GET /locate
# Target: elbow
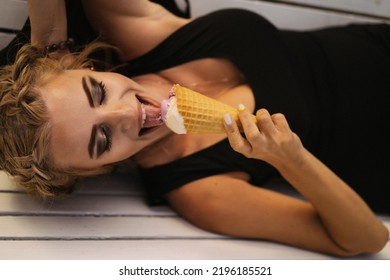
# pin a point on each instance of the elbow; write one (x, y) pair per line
(370, 245)
(380, 242)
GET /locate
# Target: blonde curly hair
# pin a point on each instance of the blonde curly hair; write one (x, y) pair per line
(25, 131)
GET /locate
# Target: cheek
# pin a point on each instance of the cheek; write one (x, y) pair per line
(124, 148)
(67, 139)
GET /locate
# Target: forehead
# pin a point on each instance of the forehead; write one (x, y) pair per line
(69, 113)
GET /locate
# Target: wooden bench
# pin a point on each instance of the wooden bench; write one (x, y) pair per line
(108, 218)
(13, 15)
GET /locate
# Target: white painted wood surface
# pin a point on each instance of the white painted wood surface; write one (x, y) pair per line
(379, 8)
(194, 249)
(13, 14)
(107, 217)
(282, 15)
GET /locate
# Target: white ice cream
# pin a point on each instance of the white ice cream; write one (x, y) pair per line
(171, 116)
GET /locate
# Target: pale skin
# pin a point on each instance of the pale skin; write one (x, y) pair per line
(224, 203)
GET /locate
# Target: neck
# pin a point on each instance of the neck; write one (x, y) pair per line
(155, 84)
(164, 150)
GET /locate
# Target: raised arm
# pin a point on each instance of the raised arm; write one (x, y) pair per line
(135, 26)
(48, 21)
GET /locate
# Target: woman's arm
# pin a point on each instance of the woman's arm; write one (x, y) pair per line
(228, 204)
(135, 26)
(334, 219)
(345, 216)
(48, 21)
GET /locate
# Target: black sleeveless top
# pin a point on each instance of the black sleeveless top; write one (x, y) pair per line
(226, 34)
(321, 80)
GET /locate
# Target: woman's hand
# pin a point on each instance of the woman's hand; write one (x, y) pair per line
(270, 139)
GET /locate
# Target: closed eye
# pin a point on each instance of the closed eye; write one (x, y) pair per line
(103, 140)
(99, 90)
(103, 92)
(108, 135)
(101, 136)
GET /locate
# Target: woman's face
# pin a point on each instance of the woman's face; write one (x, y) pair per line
(99, 118)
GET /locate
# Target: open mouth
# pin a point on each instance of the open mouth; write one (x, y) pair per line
(150, 115)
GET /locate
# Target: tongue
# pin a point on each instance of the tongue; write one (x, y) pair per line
(164, 109)
(153, 116)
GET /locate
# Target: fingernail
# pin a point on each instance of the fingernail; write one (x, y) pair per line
(228, 119)
(241, 107)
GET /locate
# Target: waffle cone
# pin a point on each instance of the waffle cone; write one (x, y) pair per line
(202, 114)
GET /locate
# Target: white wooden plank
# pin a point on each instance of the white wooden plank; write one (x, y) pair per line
(162, 249)
(283, 16)
(98, 228)
(371, 7)
(83, 205)
(13, 14)
(7, 183)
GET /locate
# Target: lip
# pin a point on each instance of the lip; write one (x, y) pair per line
(147, 100)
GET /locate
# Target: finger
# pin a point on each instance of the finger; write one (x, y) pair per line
(237, 142)
(265, 123)
(249, 125)
(246, 120)
(280, 122)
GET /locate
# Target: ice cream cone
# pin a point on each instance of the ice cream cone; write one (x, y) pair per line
(202, 114)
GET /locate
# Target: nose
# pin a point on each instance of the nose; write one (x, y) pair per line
(120, 115)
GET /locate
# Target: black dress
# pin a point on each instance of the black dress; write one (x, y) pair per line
(333, 85)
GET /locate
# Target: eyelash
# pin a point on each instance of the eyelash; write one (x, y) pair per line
(103, 92)
(107, 133)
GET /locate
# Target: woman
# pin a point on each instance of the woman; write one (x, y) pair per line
(61, 120)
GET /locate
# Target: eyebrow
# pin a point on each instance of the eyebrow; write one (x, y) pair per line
(87, 91)
(92, 141)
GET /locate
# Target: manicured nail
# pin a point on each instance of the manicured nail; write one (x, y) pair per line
(241, 107)
(228, 119)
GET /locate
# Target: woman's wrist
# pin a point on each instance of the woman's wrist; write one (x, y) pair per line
(66, 45)
(293, 164)
(48, 21)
